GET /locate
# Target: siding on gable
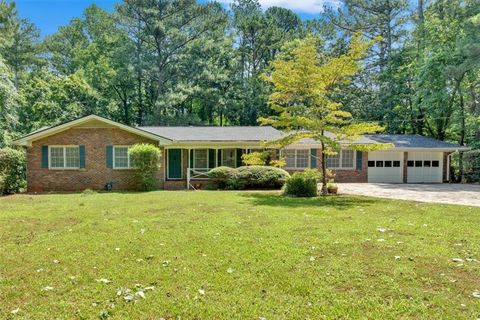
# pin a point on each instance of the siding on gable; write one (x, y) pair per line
(95, 174)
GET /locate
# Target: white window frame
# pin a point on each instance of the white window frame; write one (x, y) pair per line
(64, 157)
(234, 157)
(282, 154)
(208, 158)
(128, 158)
(340, 154)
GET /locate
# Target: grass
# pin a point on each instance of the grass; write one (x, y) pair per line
(232, 255)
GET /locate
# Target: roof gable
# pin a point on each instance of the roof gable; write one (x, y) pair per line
(92, 121)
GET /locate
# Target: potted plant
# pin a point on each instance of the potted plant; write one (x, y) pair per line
(332, 187)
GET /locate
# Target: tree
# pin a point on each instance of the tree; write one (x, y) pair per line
(303, 83)
(8, 104)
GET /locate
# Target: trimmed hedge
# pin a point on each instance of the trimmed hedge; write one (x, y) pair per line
(248, 177)
(145, 157)
(12, 171)
(303, 184)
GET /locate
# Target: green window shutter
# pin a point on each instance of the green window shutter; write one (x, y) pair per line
(191, 158)
(81, 150)
(219, 157)
(239, 157)
(45, 157)
(110, 157)
(211, 158)
(359, 160)
(313, 158)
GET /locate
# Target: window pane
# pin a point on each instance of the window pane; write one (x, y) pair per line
(426, 163)
(121, 157)
(371, 164)
(347, 158)
(379, 164)
(435, 164)
(418, 163)
(302, 158)
(388, 164)
(410, 163)
(200, 158)
(289, 158)
(396, 164)
(72, 157)
(228, 158)
(333, 161)
(56, 157)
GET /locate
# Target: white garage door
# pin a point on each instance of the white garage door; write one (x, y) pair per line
(424, 167)
(384, 166)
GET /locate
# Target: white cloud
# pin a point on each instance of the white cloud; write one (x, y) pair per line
(304, 6)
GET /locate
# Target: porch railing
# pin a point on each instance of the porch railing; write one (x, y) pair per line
(196, 174)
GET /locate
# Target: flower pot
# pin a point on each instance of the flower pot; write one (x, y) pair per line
(332, 190)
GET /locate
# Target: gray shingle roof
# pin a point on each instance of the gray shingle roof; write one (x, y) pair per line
(411, 141)
(216, 133)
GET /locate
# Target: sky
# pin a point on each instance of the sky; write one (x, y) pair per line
(48, 15)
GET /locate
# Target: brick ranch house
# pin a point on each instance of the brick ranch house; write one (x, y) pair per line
(92, 151)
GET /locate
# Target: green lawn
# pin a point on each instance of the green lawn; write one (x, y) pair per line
(232, 255)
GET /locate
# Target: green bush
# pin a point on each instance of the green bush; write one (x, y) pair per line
(261, 177)
(303, 184)
(222, 178)
(471, 165)
(249, 177)
(145, 161)
(12, 171)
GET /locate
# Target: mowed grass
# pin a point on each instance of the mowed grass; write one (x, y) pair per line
(236, 255)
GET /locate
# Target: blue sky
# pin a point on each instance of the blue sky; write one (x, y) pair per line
(48, 15)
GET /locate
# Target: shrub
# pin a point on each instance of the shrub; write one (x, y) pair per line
(12, 171)
(471, 165)
(261, 177)
(222, 178)
(303, 184)
(249, 177)
(256, 158)
(145, 161)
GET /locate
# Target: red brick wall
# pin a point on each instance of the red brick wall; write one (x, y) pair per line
(95, 174)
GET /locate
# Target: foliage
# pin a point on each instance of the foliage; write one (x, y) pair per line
(145, 161)
(247, 177)
(471, 162)
(302, 99)
(303, 184)
(222, 177)
(12, 171)
(256, 158)
(261, 177)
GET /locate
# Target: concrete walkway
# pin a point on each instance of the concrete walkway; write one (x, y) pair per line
(464, 194)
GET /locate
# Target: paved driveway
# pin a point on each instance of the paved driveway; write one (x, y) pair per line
(465, 194)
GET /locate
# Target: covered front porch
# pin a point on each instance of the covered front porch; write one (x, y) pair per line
(187, 168)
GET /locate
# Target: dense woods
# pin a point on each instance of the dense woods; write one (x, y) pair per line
(179, 62)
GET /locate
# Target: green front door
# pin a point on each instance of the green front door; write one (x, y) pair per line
(174, 164)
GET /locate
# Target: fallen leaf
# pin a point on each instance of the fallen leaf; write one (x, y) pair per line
(47, 288)
(476, 294)
(457, 260)
(379, 229)
(15, 311)
(230, 270)
(103, 280)
(201, 291)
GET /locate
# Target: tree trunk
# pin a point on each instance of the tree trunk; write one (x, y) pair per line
(462, 134)
(324, 170)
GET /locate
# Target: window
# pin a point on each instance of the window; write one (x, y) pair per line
(427, 163)
(64, 157)
(410, 163)
(435, 163)
(200, 158)
(388, 164)
(229, 158)
(396, 164)
(379, 164)
(418, 163)
(371, 164)
(297, 158)
(121, 157)
(343, 159)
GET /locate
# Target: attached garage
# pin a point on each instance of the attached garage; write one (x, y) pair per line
(425, 167)
(385, 167)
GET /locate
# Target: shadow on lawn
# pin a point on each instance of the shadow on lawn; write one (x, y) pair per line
(338, 202)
